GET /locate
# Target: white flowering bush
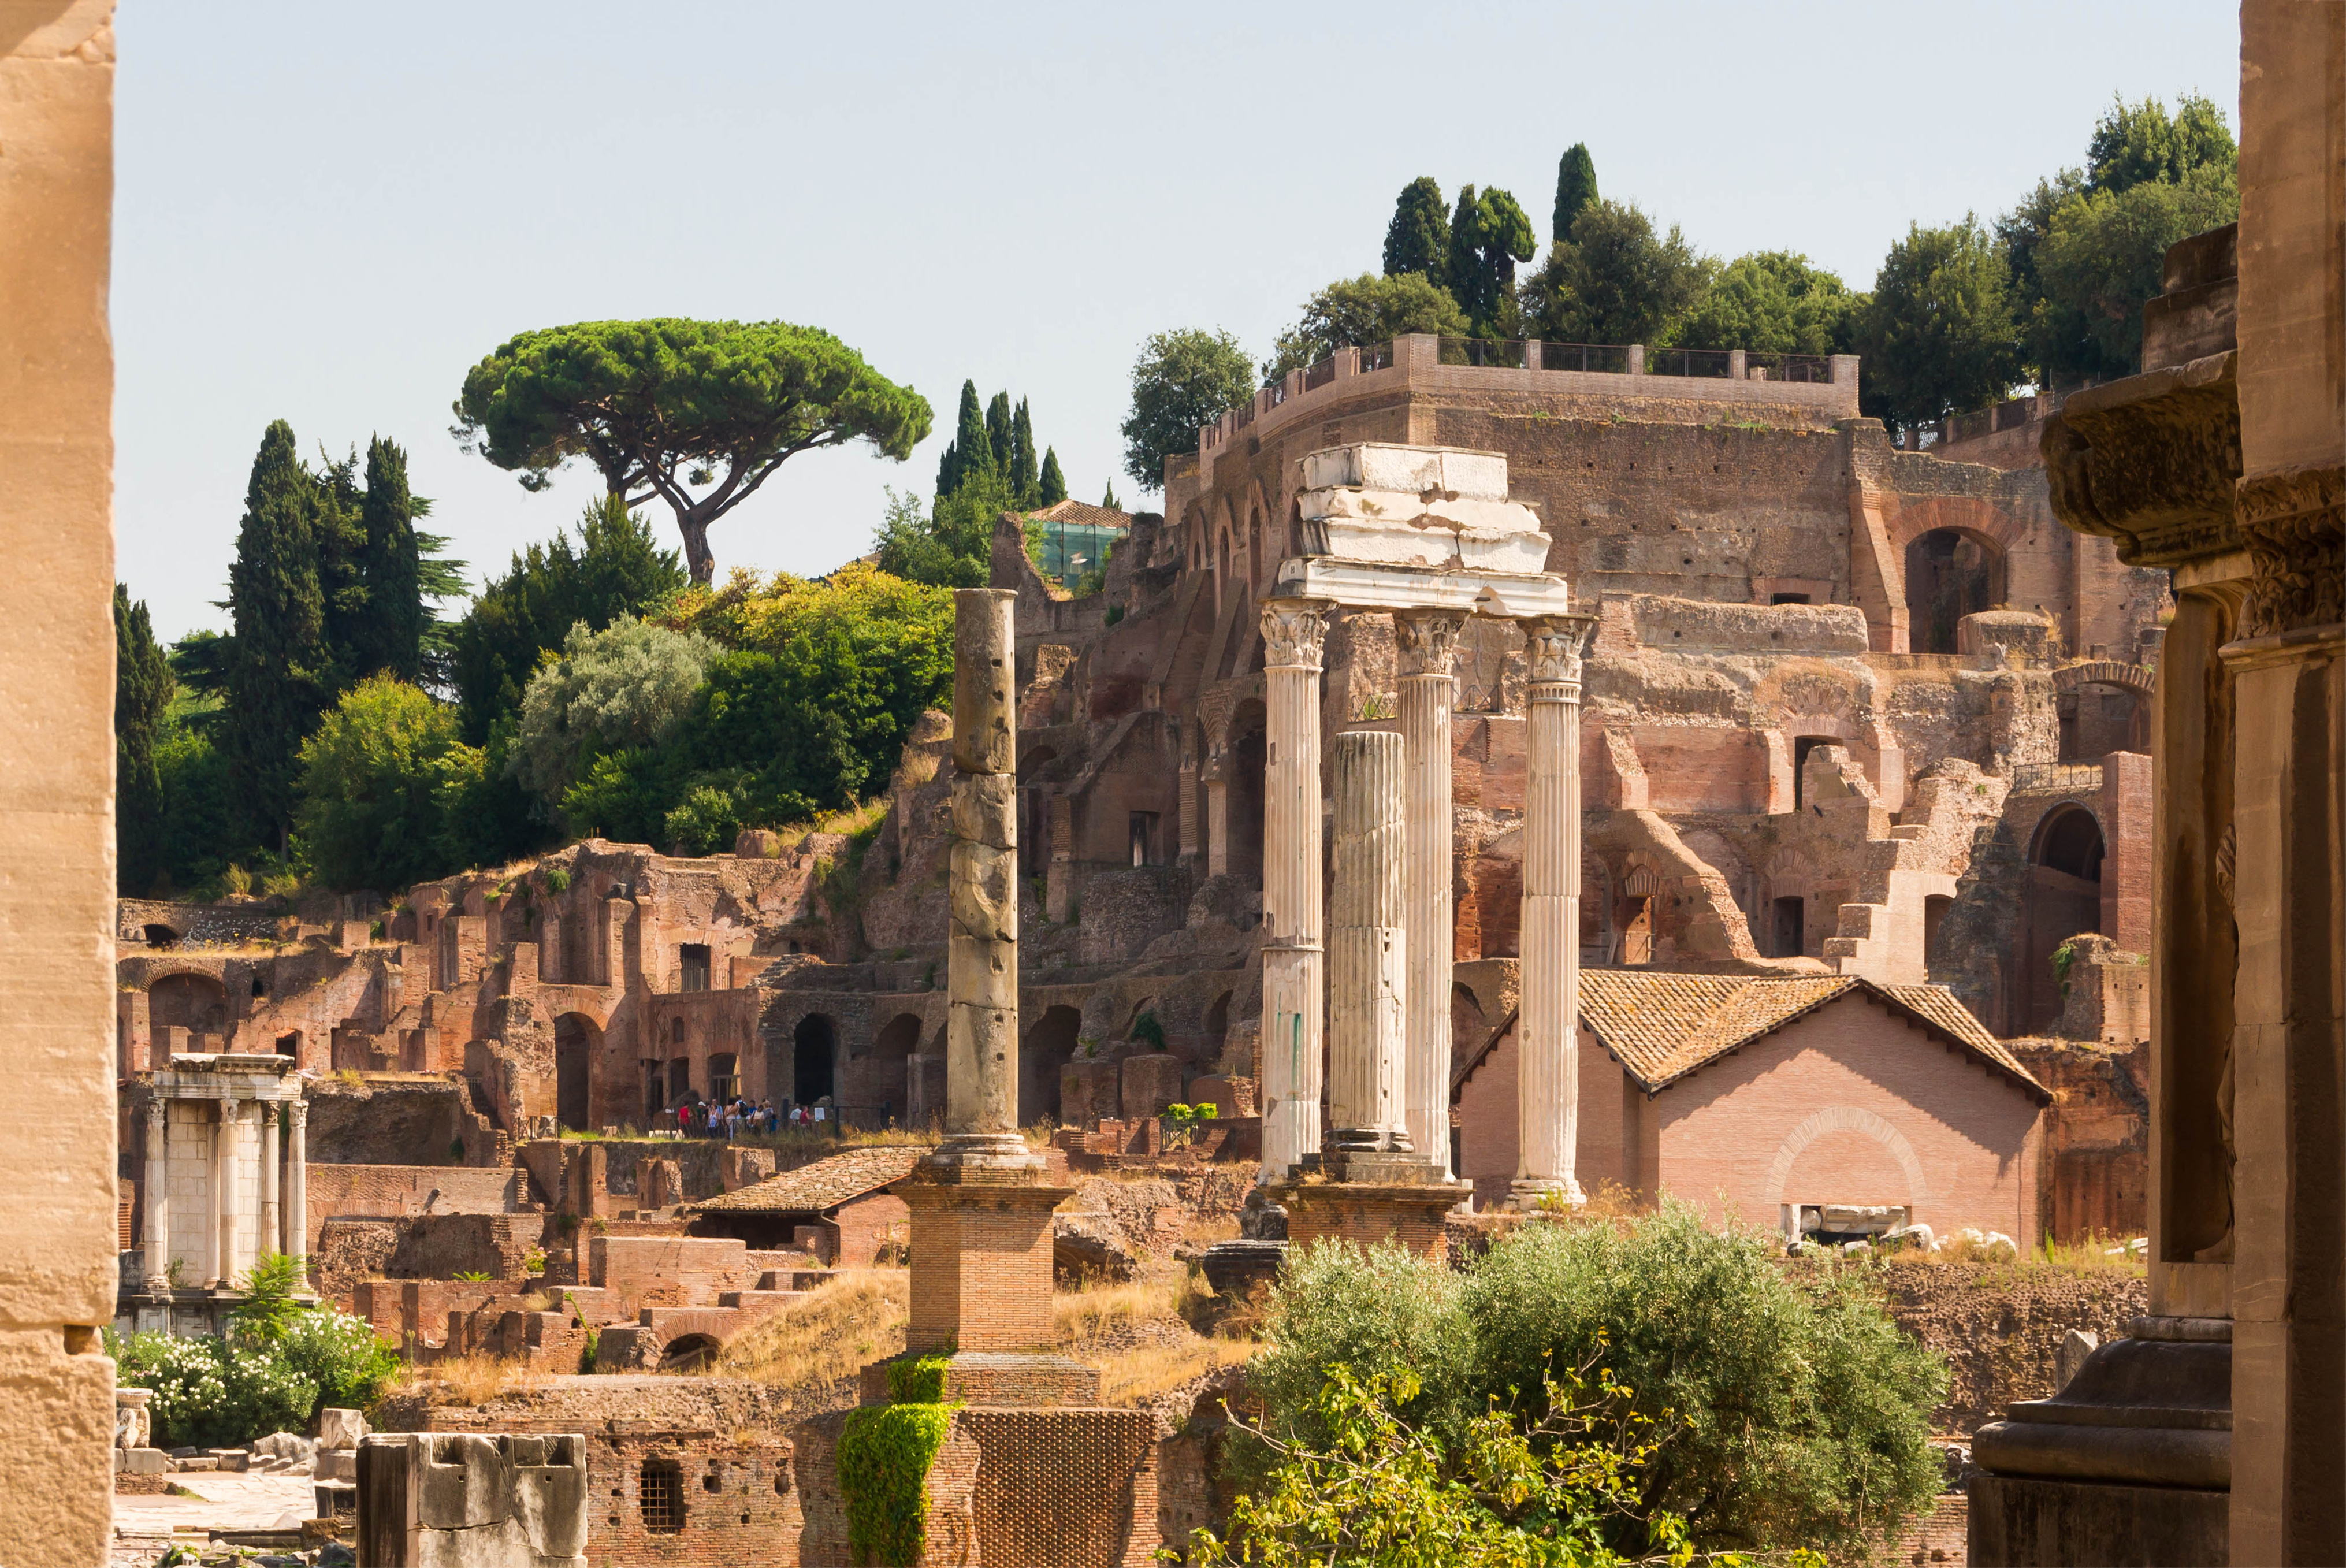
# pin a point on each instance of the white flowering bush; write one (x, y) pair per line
(209, 1394)
(341, 1355)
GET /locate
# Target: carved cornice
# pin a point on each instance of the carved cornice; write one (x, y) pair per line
(2152, 462)
(1554, 647)
(1294, 633)
(2294, 523)
(1427, 640)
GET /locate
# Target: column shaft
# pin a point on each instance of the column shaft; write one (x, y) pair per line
(224, 1174)
(1547, 1084)
(272, 1219)
(297, 1185)
(1368, 948)
(1293, 634)
(1428, 644)
(158, 1233)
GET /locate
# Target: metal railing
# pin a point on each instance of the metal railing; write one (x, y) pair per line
(2057, 778)
(1376, 356)
(1321, 374)
(1705, 363)
(1596, 359)
(1488, 352)
(1814, 369)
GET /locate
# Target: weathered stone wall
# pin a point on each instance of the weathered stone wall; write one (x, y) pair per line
(2000, 1326)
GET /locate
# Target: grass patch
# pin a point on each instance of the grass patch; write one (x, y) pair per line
(473, 1380)
(814, 1342)
(1096, 1311)
(1146, 1370)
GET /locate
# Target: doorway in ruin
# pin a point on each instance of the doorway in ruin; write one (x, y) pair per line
(893, 1050)
(814, 1056)
(1949, 574)
(195, 1003)
(2098, 718)
(1803, 747)
(1789, 927)
(2063, 900)
(689, 1353)
(1637, 917)
(575, 1043)
(1048, 1046)
(1245, 773)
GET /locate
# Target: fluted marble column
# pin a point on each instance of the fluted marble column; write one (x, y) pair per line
(982, 958)
(272, 1220)
(222, 1272)
(158, 1236)
(297, 1185)
(1369, 970)
(1428, 644)
(1294, 632)
(1547, 1085)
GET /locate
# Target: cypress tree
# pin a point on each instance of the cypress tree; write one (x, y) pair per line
(388, 636)
(948, 468)
(972, 449)
(1464, 262)
(1052, 487)
(279, 671)
(997, 432)
(1022, 455)
(1109, 500)
(1418, 237)
(142, 694)
(341, 536)
(1575, 187)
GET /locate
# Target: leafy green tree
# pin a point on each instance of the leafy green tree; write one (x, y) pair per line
(1022, 455)
(951, 545)
(1488, 235)
(696, 414)
(626, 686)
(279, 671)
(2135, 143)
(1181, 381)
(1417, 239)
(1617, 281)
(1365, 310)
(143, 689)
(1000, 437)
(1575, 187)
(2104, 255)
(1939, 334)
(377, 782)
(1776, 302)
(1052, 487)
(615, 569)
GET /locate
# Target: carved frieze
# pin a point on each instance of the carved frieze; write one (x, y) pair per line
(2294, 524)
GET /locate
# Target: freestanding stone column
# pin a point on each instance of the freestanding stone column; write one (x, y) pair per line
(157, 1236)
(982, 956)
(1294, 632)
(1367, 950)
(297, 1185)
(224, 1173)
(1548, 1083)
(272, 1220)
(1428, 642)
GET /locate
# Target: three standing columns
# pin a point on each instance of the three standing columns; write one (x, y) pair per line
(1294, 634)
(1548, 1085)
(1428, 644)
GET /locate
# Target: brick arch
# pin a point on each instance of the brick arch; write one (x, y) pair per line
(1847, 1119)
(2104, 672)
(1968, 515)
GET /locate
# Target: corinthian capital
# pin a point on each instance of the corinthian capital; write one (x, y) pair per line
(1294, 633)
(1553, 645)
(1428, 640)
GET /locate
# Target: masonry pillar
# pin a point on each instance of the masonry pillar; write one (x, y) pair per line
(1294, 632)
(1217, 814)
(271, 1222)
(1428, 642)
(297, 1185)
(223, 1248)
(1547, 1095)
(1188, 808)
(1367, 949)
(158, 1234)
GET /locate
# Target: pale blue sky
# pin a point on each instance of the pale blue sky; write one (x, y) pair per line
(325, 213)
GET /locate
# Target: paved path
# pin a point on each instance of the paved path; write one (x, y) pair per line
(225, 1499)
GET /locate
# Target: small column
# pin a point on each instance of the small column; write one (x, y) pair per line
(981, 957)
(1188, 808)
(158, 1236)
(1294, 632)
(1368, 950)
(224, 1174)
(1547, 1084)
(297, 1185)
(272, 1222)
(1428, 642)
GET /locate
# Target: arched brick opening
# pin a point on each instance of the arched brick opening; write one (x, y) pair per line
(1246, 756)
(814, 1059)
(195, 1003)
(689, 1353)
(2063, 898)
(1047, 1047)
(1950, 572)
(577, 1044)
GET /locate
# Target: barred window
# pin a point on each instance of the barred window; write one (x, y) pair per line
(660, 1494)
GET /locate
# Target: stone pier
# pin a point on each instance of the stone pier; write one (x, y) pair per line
(1547, 1099)
(1428, 642)
(1294, 631)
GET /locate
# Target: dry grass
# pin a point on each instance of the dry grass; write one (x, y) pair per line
(854, 819)
(845, 1322)
(1145, 1371)
(1096, 1311)
(470, 1379)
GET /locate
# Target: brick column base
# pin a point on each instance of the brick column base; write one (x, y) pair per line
(1366, 1213)
(981, 1273)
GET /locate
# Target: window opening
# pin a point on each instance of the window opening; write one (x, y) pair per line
(660, 1495)
(695, 966)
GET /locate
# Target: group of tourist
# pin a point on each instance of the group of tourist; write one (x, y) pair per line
(732, 1119)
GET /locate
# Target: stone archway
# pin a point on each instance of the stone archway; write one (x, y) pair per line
(1950, 572)
(1839, 1121)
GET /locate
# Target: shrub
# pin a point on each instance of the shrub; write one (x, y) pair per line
(339, 1354)
(208, 1395)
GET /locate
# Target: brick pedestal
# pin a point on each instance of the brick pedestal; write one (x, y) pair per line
(1367, 1212)
(981, 1262)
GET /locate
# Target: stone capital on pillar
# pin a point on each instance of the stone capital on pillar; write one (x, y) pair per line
(1427, 641)
(1554, 647)
(1294, 634)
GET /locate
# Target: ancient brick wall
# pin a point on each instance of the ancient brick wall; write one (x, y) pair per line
(358, 1191)
(2000, 1326)
(2097, 1179)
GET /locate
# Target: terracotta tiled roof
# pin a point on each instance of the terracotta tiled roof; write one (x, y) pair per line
(1661, 1026)
(1090, 516)
(824, 1185)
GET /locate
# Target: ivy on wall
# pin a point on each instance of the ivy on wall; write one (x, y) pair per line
(884, 1455)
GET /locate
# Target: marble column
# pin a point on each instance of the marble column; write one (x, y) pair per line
(272, 1220)
(297, 1185)
(158, 1234)
(1369, 970)
(1548, 1086)
(1428, 642)
(982, 955)
(1294, 632)
(222, 1272)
